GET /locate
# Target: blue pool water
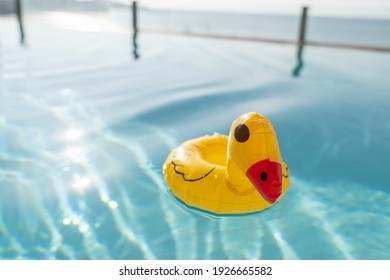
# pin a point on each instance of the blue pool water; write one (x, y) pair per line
(85, 129)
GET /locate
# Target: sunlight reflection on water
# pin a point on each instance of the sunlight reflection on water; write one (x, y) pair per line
(81, 154)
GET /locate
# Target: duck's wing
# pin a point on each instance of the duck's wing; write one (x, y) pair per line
(189, 164)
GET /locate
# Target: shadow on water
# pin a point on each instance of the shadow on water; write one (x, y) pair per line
(220, 99)
(135, 45)
(298, 68)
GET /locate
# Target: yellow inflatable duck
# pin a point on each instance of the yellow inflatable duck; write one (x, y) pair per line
(239, 174)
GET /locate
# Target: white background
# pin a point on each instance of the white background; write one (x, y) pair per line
(109, 270)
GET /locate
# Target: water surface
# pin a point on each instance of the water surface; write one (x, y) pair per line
(85, 129)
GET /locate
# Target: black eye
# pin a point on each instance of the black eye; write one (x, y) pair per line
(241, 133)
(263, 176)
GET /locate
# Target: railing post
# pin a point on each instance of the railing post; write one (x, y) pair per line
(18, 9)
(302, 28)
(301, 43)
(134, 13)
(135, 29)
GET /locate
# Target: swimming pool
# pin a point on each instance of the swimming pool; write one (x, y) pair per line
(85, 129)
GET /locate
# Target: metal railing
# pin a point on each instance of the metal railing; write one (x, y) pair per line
(18, 10)
(14, 7)
(300, 42)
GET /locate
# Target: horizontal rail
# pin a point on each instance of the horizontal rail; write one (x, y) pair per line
(268, 40)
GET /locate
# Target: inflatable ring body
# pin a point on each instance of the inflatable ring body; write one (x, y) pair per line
(236, 174)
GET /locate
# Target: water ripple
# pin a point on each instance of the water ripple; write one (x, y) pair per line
(83, 138)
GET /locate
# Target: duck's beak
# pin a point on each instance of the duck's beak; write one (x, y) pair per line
(266, 176)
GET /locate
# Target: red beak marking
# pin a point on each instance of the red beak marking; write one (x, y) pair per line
(266, 176)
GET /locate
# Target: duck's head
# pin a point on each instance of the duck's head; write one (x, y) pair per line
(254, 148)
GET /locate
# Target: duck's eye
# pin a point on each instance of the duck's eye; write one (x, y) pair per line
(263, 176)
(241, 133)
